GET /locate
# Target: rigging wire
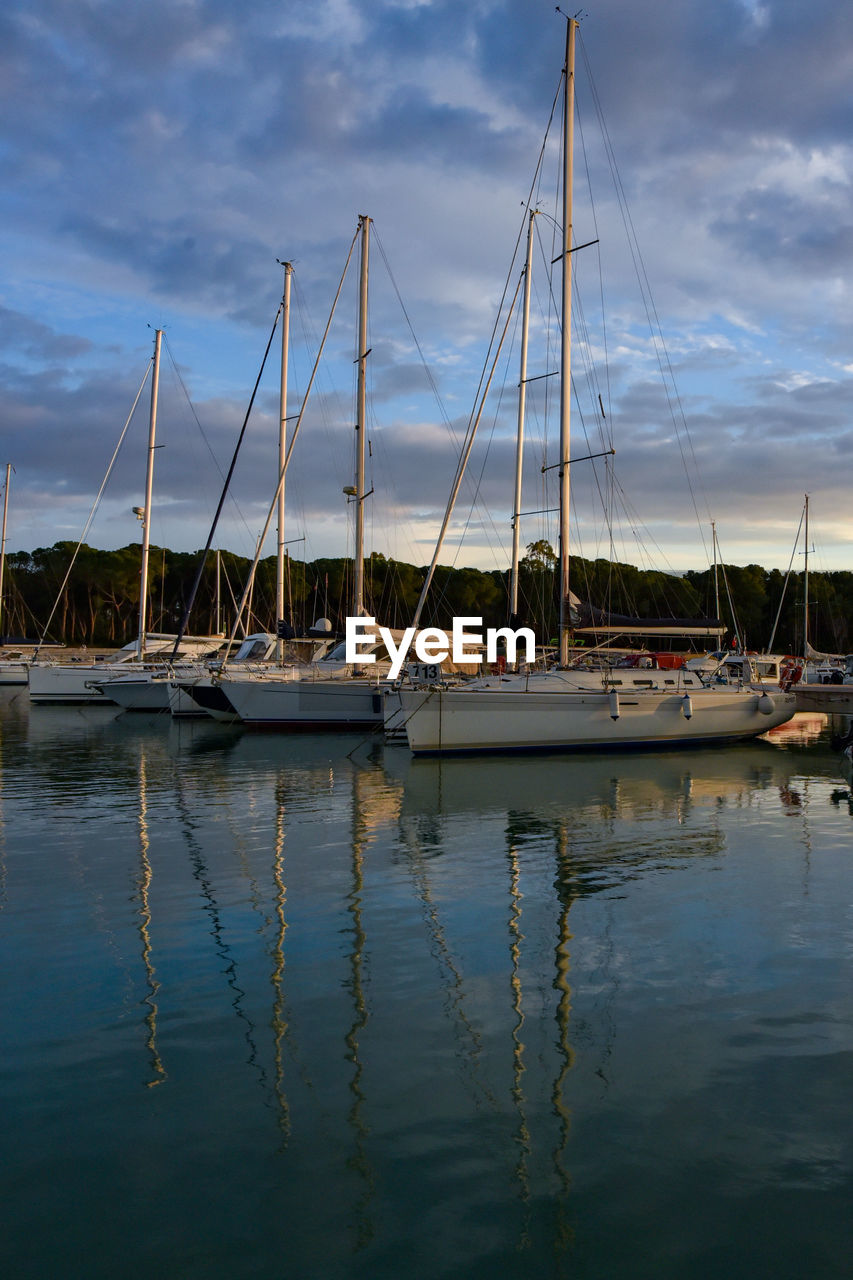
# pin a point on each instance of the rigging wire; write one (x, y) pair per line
(738, 637)
(95, 506)
(655, 327)
(489, 362)
(787, 576)
(290, 447)
(177, 373)
(203, 558)
(418, 348)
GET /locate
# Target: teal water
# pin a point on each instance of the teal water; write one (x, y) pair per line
(304, 1007)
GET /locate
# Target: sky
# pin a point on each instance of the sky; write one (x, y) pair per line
(159, 159)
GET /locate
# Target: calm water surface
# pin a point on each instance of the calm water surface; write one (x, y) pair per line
(304, 1007)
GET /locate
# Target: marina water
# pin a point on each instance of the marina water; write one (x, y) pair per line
(302, 1006)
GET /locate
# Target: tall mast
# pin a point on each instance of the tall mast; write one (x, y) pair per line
(3, 541)
(566, 349)
(282, 452)
(218, 618)
(149, 482)
(519, 447)
(806, 585)
(361, 425)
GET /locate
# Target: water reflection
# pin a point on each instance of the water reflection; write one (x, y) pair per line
(565, 889)
(803, 728)
(359, 1160)
(419, 850)
(598, 808)
(448, 977)
(522, 1135)
(158, 1073)
(279, 1021)
(189, 825)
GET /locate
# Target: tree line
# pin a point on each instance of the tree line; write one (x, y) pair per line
(97, 603)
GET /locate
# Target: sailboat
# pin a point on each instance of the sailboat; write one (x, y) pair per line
(185, 689)
(559, 709)
(329, 693)
(86, 682)
(13, 663)
(827, 678)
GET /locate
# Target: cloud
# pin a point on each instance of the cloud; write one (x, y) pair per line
(158, 158)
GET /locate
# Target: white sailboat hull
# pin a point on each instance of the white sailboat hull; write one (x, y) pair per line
(306, 704)
(87, 682)
(13, 672)
(143, 692)
(77, 684)
(546, 718)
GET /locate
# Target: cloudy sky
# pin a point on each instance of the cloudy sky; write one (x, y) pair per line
(159, 157)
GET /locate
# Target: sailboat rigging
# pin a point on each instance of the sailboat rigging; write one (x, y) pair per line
(13, 664)
(85, 682)
(329, 694)
(566, 708)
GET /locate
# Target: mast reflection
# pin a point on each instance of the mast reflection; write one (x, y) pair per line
(201, 874)
(359, 1161)
(158, 1072)
(516, 937)
(279, 1021)
(564, 886)
(417, 836)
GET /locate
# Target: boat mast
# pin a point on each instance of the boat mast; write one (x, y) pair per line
(361, 424)
(282, 453)
(218, 592)
(519, 447)
(716, 566)
(566, 349)
(3, 541)
(149, 482)
(806, 586)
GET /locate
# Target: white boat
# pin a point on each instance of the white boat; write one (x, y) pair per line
(310, 703)
(835, 697)
(548, 713)
(556, 710)
(206, 693)
(158, 688)
(14, 666)
(328, 694)
(770, 671)
(332, 694)
(87, 682)
(13, 662)
(188, 690)
(823, 682)
(144, 690)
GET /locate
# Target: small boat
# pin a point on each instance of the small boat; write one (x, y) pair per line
(85, 682)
